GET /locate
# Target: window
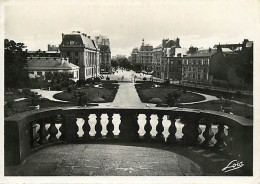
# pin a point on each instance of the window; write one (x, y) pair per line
(76, 53)
(198, 76)
(72, 42)
(199, 70)
(39, 73)
(31, 72)
(68, 53)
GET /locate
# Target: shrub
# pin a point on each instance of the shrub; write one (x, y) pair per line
(184, 90)
(238, 93)
(72, 82)
(172, 98)
(65, 84)
(81, 82)
(108, 78)
(69, 89)
(167, 82)
(88, 81)
(27, 92)
(57, 87)
(144, 79)
(8, 108)
(35, 99)
(9, 104)
(97, 79)
(81, 98)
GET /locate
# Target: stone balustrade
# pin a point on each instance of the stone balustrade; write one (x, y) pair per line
(31, 130)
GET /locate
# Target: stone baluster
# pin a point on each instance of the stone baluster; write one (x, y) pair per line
(110, 126)
(159, 128)
(129, 126)
(171, 139)
(208, 135)
(86, 127)
(230, 141)
(70, 127)
(220, 137)
(191, 130)
(53, 130)
(135, 127)
(34, 135)
(148, 127)
(98, 126)
(43, 133)
(61, 120)
(62, 136)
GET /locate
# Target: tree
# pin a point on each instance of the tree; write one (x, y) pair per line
(172, 98)
(16, 73)
(114, 63)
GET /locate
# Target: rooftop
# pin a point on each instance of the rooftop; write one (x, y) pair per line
(50, 63)
(204, 53)
(79, 39)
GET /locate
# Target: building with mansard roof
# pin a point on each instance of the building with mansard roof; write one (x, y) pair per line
(83, 52)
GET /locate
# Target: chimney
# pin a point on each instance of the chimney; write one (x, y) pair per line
(89, 37)
(62, 35)
(209, 49)
(177, 42)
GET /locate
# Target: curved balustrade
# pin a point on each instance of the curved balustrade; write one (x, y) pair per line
(31, 130)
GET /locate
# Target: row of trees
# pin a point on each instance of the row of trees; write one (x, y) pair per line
(125, 63)
(15, 65)
(16, 73)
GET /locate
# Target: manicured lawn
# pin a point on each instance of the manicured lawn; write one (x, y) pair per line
(22, 106)
(90, 93)
(162, 93)
(237, 109)
(147, 92)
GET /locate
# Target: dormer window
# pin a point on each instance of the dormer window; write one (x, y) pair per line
(72, 42)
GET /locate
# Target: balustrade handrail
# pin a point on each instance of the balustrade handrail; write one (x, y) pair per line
(21, 136)
(41, 113)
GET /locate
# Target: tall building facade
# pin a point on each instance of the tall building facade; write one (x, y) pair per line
(145, 56)
(173, 63)
(134, 55)
(204, 65)
(83, 52)
(160, 53)
(105, 53)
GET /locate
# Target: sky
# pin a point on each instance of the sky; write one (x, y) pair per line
(197, 23)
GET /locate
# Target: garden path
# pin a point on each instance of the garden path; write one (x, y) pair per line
(48, 94)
